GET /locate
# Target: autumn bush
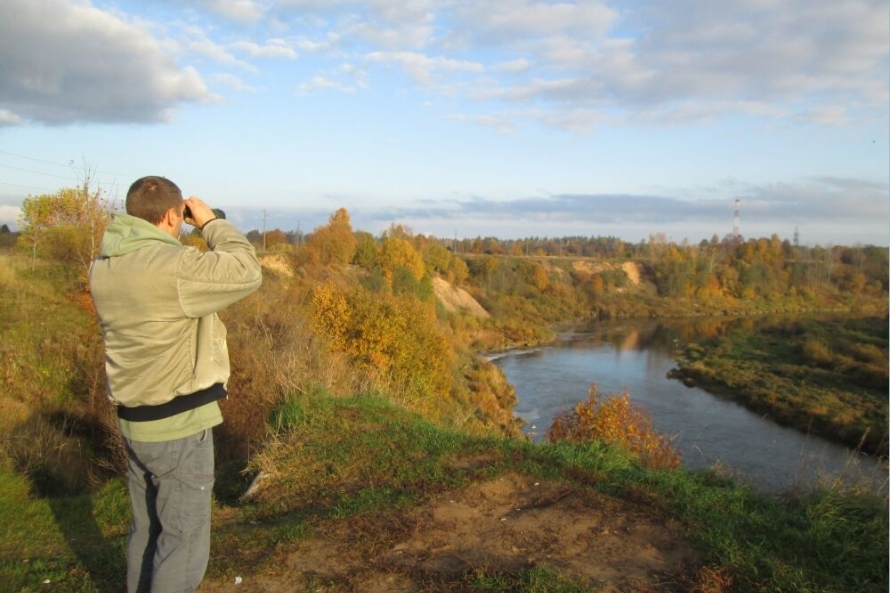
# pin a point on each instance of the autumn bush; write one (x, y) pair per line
(615, 420)
(394, 338)
(66, 226)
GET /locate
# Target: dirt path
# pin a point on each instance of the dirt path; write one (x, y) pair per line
(498, 527)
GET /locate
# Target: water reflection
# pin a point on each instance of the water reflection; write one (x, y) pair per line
(635, 357)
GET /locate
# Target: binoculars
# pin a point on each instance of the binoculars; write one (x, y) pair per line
(216, 211)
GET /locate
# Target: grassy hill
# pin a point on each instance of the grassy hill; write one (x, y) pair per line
(354, 494)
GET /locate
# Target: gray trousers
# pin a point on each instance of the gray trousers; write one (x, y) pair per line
(170, 493)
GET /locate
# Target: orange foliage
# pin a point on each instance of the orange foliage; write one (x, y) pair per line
(615, 421)
(334, 243)
(710, 288)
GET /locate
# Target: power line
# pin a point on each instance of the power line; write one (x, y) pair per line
(21, 156)
(27, 186)
(35, 172)
(70, 166)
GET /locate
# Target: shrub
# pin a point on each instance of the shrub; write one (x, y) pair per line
(615, 421)
(816, 353)
(393, 338)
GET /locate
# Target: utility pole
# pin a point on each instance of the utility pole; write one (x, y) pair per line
(264, 229)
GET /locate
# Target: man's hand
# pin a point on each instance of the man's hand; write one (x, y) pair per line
(197, 212)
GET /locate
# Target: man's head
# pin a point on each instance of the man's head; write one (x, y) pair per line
(150, 198)
(158, 201)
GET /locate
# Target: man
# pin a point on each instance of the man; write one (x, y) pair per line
(167, 364)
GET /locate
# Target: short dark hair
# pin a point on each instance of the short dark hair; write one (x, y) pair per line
(149, 198)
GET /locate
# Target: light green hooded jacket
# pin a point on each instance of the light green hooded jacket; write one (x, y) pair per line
(157, 302)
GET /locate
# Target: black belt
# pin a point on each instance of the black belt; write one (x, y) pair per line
(177, 405)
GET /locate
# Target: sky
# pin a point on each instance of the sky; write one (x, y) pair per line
(463, 118)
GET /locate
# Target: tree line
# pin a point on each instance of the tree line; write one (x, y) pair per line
(67, 226)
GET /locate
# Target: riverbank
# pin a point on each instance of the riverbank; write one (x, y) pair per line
(821, 375)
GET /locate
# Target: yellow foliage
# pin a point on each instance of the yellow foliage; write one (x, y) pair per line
(394, 338)
(710, 288)
(396, 253)
(540, 279)
(334, 243)
(331, 313)
(615, 421)
(66, 226)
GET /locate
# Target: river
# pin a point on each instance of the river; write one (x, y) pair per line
(635, 356)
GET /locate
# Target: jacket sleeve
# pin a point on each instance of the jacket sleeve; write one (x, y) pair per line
(209, 282)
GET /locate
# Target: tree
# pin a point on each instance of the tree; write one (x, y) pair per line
(334, 243)
(395, 338)
(436, 257)
(274, 238)
(255, 237)
(399, 253)
(66, 226)
(366, 251)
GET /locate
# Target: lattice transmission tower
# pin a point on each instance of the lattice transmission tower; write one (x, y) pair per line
(735, 219)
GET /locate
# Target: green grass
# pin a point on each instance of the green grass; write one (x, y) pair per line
(73, 543)
(374, 458)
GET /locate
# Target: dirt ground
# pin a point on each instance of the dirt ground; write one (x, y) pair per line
(496, 527)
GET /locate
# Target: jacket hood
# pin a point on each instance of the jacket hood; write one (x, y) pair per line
(126, 234)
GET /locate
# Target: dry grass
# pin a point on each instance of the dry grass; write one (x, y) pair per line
(8, 272)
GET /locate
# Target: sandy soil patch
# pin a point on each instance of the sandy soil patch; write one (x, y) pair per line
(456, 299)
(277, 263)
(632, 269)
(499, 526)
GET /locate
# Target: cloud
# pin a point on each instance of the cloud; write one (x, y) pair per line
(320, 83)
(582, 63)
(811, 204)
(388, 24)
(195, 42)
(423, 68)
(272, 48)
(500, 124)
(793, 51)
(62, 62)
(8, 118)
(504, 21)
(238, 10)
(517, 66)
(672, 58)
(571, 65)
(9, 213)
(230, 81)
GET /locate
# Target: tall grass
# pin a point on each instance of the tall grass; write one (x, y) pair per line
(8, 272)
(57, 426)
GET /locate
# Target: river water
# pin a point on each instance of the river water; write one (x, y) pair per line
(635, 356)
